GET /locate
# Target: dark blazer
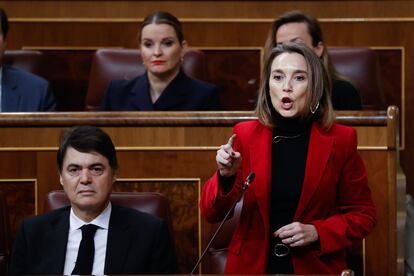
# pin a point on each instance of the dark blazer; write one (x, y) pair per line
(345, 96)
(138, 243)
(182, 94)
(22, 91)
(335, 198)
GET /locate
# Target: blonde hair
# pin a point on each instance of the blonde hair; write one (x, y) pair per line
(318, 102)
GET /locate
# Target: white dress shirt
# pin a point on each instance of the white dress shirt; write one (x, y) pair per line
(100, 240)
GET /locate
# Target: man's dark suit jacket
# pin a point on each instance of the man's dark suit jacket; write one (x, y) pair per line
(182, 94)
(138, 243)
(24, 92)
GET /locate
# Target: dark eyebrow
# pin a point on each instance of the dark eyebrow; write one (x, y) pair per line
(296, 71)
(90, 165)
(73, 165)
(300, 72)
(96, 164)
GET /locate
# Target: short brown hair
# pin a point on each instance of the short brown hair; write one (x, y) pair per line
(318, 91)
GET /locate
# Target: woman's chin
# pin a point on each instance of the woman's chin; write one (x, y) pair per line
(290, 113)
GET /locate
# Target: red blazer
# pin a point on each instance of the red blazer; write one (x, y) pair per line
(335, 198)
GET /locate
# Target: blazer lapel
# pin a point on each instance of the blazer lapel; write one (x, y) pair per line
(119, 237)
(140, 96)
(174, 94)
(320, 147)
(10, 97)
(56, 242)
(260, 159)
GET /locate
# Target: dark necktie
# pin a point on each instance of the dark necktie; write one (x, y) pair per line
(86, 252)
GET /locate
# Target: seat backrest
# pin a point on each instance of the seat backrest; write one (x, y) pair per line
(5, 235)
(361, 67)
(215, 260)
(116, 64)
(152, 203)
(28, 60)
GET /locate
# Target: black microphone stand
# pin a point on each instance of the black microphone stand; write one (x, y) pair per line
(246, 184)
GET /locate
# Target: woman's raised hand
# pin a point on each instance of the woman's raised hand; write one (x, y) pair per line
(228, 160)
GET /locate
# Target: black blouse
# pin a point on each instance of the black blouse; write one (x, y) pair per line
(289, 151)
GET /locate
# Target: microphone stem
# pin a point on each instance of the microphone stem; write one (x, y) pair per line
(244, 188)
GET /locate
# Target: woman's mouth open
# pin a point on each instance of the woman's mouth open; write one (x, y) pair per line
(287, 103)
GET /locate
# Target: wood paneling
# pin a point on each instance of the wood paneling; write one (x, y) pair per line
(20, 198)
(183, 206)
(205, 9)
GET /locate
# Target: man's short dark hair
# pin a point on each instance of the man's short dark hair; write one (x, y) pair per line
(4, 23)
(87, 139)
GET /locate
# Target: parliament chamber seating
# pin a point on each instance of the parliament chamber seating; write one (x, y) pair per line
(78, 79)
(148, 202)
(183, 146)
(361, 67)
(115, 64)
(28, 60)
(5, 235)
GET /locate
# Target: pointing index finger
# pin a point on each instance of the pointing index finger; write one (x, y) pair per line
(231, 140)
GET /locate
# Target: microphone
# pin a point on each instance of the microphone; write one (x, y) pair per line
(246, 184)
(249, 180)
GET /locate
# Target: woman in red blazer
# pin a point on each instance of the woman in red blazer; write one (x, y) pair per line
(310, 198)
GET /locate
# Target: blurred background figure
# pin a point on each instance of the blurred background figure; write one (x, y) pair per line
(295, 26)
(164, 86)
(21, 91)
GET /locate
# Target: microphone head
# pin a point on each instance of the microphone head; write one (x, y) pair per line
(250, 177)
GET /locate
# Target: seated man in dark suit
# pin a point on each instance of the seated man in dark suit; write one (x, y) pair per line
(21, 91)
(92, 236)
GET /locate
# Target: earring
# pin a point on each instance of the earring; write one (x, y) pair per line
(314, 110)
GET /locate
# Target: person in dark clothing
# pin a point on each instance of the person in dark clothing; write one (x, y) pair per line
(164, 86)
(295, 26)
(310, 199)
(21, 91)
(92, 236)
